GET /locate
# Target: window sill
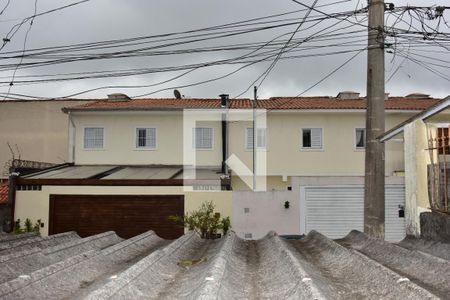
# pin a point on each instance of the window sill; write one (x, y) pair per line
(145, 149)
(257, 150)
(312, 150)
(94, 149)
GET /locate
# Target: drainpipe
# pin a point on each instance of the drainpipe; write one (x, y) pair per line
(225, 103)
(12, 182)
(72, 134)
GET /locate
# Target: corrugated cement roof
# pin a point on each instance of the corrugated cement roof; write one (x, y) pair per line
(104, 266)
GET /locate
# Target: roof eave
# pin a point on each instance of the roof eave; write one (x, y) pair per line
(440, 106)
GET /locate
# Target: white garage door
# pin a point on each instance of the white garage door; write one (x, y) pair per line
(336, 210)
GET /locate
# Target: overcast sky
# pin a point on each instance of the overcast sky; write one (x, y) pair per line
(99, 20)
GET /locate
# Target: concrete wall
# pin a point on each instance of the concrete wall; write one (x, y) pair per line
(35, 204)
(5, 211)
(435, 226)
(266, 212)
(416, 182)
(38, 128)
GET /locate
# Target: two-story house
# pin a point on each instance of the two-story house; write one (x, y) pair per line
(134, 162)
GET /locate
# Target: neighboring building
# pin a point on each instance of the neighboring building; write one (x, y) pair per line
(310, 159)
(426, 145)
(36, 130)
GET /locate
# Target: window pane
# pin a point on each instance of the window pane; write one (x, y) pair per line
(443, 140)
(203, 138)
(360, 138)
(249, 143)
(306, 138)
(93, 138)
(316, 138)
(146, 138)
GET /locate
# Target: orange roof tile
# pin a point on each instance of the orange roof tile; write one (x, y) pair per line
(278, 103)
(4, 190)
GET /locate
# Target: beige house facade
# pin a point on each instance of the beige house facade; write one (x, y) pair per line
(308, 150)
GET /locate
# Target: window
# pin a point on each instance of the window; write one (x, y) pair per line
(443, 140)
(146, 138)
(203, 138)
(93, 138)
(360, 138)
(312, 138)
(261, 139)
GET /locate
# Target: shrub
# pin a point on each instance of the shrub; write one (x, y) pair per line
(29, 227)
(204, 221)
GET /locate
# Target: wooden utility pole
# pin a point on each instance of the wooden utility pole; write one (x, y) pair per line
(374, 164)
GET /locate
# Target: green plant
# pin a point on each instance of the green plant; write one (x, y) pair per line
(17, 227)
(37, 227)
(28, 225)
(226, 225)
(204, 221)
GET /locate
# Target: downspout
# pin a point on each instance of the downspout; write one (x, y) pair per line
(225, 104)
(72, 134)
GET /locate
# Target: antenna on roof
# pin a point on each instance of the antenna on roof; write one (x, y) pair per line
(177, 94)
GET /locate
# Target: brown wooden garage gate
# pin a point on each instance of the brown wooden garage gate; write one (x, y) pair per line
(127, 215)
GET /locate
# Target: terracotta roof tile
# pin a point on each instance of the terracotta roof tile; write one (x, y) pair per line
(278, 103)
(4, 189)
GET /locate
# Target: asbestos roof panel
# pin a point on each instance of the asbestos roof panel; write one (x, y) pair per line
(144, 173)
(314, 267)
(72, 172)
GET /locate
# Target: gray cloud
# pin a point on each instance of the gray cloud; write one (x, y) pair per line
(114, 19)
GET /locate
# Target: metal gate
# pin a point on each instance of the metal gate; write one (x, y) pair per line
(336, 210)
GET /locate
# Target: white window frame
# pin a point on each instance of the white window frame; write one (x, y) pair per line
(194, 139)
(356, 139)
(322, 146)
(84, 138)
(247, 146)
(146, 148)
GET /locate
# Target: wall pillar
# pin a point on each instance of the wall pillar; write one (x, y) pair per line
(416, 182)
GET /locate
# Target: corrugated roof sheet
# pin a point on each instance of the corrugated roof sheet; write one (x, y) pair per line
(276, 103)
(147, 267)
(127, 172)
(71, 172)
(144, 173)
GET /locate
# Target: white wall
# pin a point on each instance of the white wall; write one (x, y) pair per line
(266, 213)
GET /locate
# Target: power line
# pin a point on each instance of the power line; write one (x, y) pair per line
(24, 47)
